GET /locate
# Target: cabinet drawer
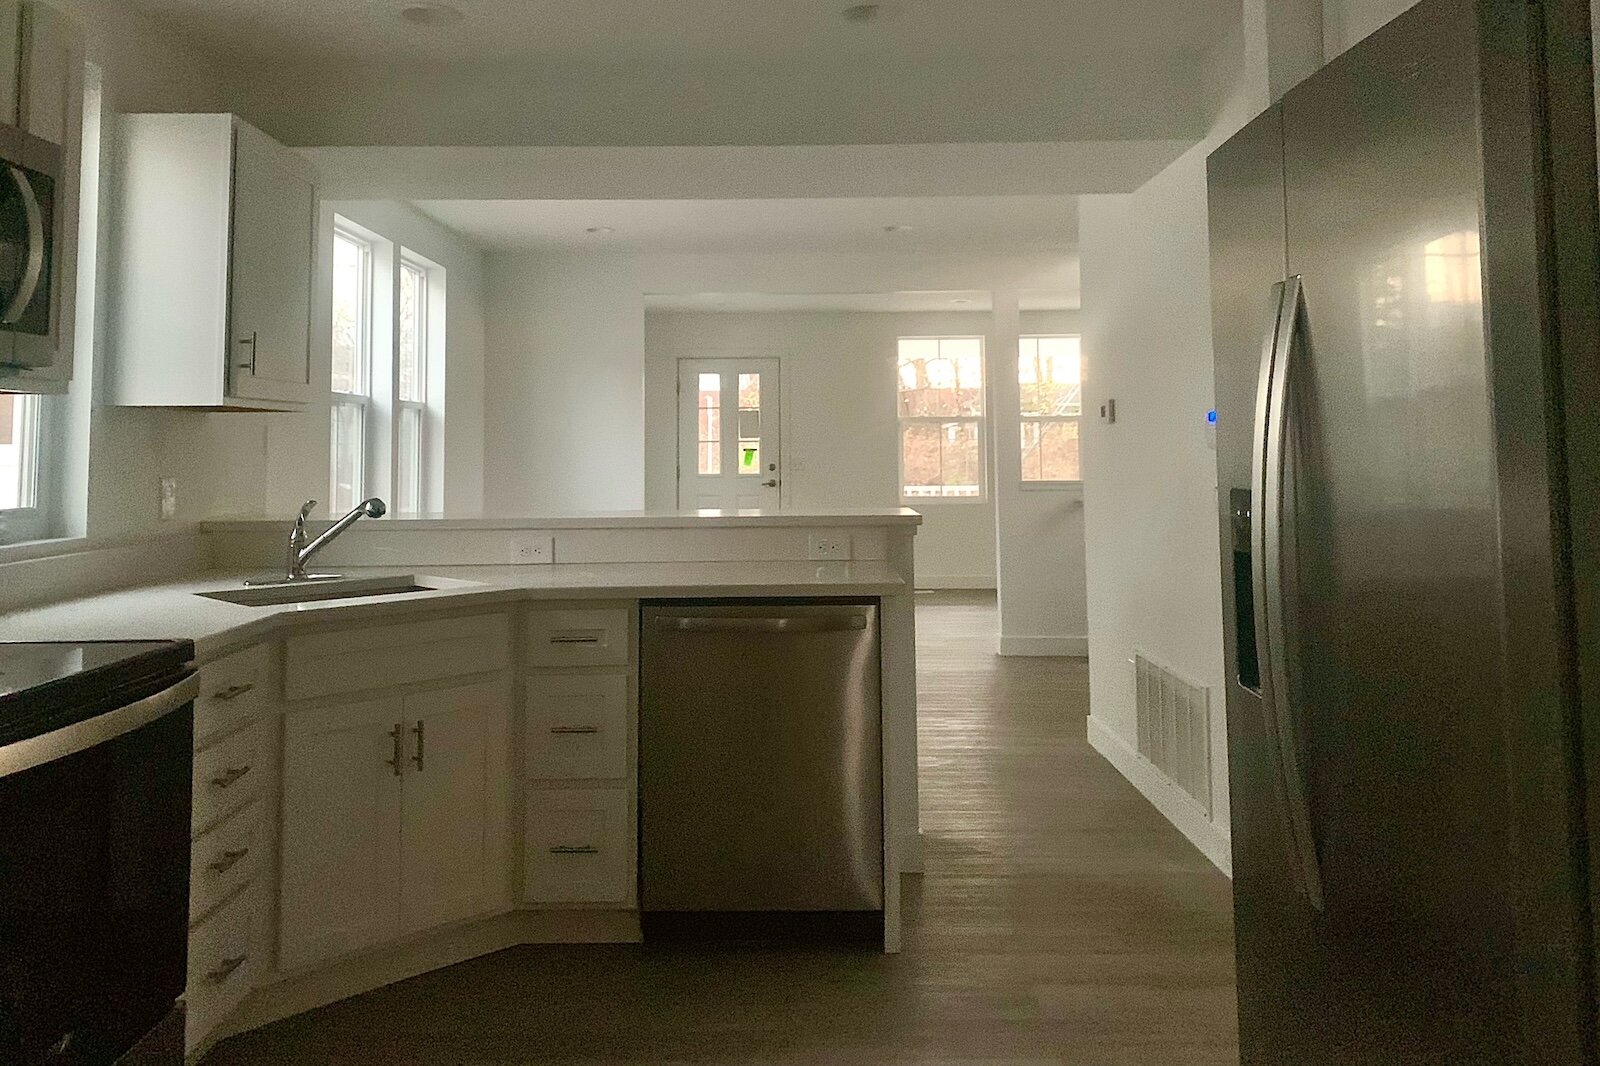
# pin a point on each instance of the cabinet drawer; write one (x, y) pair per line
(355, 660)
(577, 726)
(232, 692)
(226, 857)
(579, 637)
(229, 774)
(225, 957)
(578, 847)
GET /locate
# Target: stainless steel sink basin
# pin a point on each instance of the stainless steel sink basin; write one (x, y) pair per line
(313, 591)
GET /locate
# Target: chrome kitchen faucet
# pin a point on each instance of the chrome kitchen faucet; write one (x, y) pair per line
(301, 548)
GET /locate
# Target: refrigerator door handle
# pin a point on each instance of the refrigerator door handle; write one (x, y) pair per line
(1270, 471)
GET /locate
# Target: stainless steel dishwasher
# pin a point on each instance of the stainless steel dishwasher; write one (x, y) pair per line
(760, 759)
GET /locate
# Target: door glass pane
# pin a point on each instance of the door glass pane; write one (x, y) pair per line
(408, 478)
(346, 457)
(708, 405)
(413, 326)
(749, 424)
(349, 314)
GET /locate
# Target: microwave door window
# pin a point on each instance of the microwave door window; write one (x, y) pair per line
(26, 207)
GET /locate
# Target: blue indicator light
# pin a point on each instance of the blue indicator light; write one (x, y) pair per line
(1211, 417)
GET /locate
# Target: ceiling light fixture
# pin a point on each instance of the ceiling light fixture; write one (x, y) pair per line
(431, 14)
(961, 301)
(862, 12)
(600, 230)
(898, 228)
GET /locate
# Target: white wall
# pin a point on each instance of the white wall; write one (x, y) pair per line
(1346, 22)
(565, 351)
(564, 416)
(840, 426)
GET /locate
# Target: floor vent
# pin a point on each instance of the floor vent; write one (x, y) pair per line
(1175, 728)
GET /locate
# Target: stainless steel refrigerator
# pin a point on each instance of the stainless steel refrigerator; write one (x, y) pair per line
(1405, 315)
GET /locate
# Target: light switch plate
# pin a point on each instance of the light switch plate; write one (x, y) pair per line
(532, 548)
(823, 546)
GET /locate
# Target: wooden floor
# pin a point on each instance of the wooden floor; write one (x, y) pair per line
(1061, 920)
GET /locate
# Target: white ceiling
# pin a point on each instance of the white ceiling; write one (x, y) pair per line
(1010, 225)
(874, 302)
(704, 31)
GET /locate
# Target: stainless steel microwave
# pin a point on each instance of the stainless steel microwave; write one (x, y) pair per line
(29, 170)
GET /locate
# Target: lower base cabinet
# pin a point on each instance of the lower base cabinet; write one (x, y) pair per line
(393, 818)
(579, 846)
(225, 958)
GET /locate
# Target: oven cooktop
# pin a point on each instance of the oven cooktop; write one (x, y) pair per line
(45, 686)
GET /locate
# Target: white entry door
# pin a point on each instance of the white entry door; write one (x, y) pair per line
(729, 442)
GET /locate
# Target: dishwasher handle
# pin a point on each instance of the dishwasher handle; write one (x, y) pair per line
(839, 623)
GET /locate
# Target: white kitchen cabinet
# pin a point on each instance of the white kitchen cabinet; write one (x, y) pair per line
(340, 855)
(214, 249)
(452, 828)
(393, 818)
(41, 92)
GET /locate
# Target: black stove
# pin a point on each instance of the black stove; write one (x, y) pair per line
(45, 686)
(96, 752)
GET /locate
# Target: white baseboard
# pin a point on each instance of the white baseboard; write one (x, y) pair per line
(956, 583)
(1166, 797)
(1044, 647)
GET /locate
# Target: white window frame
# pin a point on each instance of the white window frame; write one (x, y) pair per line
(1024, 419)
(980, 421)
(383, 411)
(417, 407)
(360, 400)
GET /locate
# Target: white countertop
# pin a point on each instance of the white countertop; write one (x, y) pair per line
(707, 519)
(173, 611)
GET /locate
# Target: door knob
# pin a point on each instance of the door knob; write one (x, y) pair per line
(770, 484)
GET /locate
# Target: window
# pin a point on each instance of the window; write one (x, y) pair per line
(941, 417)
(387, 313)
(352, 370)
(1050, 380)
(411, 386)
(22, 514)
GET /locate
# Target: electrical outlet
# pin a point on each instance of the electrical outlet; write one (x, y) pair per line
(169, 497)
(829, 546)
(533, 548)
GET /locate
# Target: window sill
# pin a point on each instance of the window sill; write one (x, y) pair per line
(44, 548)
(917, 502)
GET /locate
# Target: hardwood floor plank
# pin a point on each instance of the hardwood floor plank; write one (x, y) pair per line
(1061, 921)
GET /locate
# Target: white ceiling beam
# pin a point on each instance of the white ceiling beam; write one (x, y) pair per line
(739, 173)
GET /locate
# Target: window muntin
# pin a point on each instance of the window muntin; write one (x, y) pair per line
(1050, 384)
(941, 406)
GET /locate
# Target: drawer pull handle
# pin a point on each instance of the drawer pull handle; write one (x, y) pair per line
(416, 731)
(398, 760)
(226, 970)
(229, 859)
(589, 639)
(574, 730)
(232, 774)
(568, 849)
(233, 692)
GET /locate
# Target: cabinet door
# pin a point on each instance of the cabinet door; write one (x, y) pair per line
(274, 224)
(341, 830)
(453, 850)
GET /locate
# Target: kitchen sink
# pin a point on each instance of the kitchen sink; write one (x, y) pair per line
(313, 591)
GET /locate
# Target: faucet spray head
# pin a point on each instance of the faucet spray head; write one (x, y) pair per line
(374, 508)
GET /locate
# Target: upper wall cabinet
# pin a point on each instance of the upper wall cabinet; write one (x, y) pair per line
(215, 231)
(41, 142)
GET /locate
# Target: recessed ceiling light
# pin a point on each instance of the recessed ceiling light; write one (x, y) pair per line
(897, 228)
(600, 230)
(431, 14)
(961, 301)
(862, 12)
